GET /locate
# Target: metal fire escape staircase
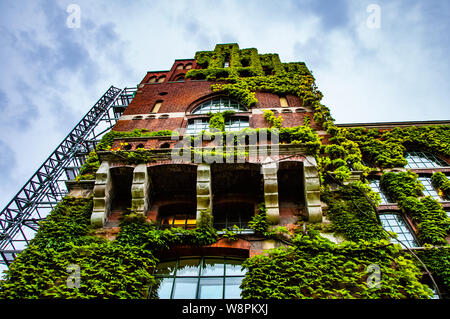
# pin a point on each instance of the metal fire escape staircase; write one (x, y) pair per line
(34, 201)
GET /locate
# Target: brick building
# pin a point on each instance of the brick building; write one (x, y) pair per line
(266, 149)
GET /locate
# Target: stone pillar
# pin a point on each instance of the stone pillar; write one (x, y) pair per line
(204, 195)
(312, 189)
(139, 189)
(269, 171)
(102, 194)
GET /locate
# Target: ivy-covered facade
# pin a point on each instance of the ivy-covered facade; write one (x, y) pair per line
(226, 177)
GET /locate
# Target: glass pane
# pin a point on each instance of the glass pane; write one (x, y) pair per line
(233, 268)
(184, 288)
(232, 290)
(188, 267)
(165, 288)
(210, 288)
(213, 267)
(166, 268)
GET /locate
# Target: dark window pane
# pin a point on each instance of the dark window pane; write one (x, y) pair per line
(188, 267)
(166, 268)
(213, 267)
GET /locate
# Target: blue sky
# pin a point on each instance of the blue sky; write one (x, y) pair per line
(51, 74)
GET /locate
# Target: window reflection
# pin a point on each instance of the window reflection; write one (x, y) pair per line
(199, 278)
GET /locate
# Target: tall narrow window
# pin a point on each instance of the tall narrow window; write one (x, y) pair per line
(394, 222)
(283, 101)
(375, 186)
(157, 106)
(428, 188)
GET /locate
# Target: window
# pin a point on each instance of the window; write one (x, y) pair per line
(179, 78)
(428, 188)
(195, 126)
(219, 105)
(181, 216)
(236, 124)
(152, 79)
(423, 160)
(238, 214)
(394, 222)
(283, 101)
(375, 186)
(199, 278)
(226, 64)
(179, 67)
(157, 106)
(188, 66)
(161, 79)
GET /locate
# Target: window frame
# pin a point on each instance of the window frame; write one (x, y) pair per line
(172, 277)
(422, 159)
(208, 106)
(410, 243)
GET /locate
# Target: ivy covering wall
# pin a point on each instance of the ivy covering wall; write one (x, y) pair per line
(309, 266)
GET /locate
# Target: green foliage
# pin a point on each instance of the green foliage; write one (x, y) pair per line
(386, 149)
(316, 268)
(274, 121)
(107, 270)
(432, 221)
(441, 183)
(437, 260)
(400, 185)
(259, 222)
(351, 214)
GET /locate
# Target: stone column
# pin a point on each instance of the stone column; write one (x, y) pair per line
(102, 194)
(269, 171)
(139, 189)
(312, 189)
(204, 194)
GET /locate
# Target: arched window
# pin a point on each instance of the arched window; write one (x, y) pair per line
(423, 160)
(219, 105)
(152, 79)
(179, 66)
(199, 278)
(157, 106)
(162, 79)
(188, 66)
(179, 78)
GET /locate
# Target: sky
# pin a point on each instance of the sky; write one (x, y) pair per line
(374, 61)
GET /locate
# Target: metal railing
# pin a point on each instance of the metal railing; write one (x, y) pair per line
(46, 187)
